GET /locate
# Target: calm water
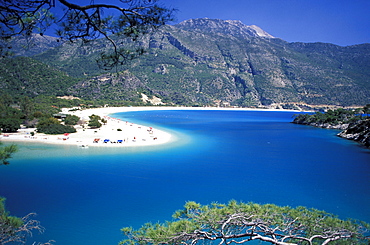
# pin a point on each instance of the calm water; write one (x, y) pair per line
(84, 196)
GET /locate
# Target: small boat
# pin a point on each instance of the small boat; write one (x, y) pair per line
(83, 146)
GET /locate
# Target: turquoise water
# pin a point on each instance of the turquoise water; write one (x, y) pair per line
(84, 196)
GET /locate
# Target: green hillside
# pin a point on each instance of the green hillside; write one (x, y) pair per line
(215, 62)
(24, 76)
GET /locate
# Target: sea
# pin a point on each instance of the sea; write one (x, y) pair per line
(86, 195)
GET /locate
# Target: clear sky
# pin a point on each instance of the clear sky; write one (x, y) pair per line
(342, 22)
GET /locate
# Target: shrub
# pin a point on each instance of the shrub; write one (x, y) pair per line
(56, 129)
(71, 120)
(8, 125)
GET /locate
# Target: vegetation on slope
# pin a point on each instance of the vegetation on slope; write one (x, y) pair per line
(354, 123)
(201, 62)
(31, 111)
(23, 76)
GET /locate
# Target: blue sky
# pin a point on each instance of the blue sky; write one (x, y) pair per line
(342, 22)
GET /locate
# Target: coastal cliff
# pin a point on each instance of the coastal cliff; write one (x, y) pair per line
(353, 123)
(358, 131)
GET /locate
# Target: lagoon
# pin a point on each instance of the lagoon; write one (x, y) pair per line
(84, 196)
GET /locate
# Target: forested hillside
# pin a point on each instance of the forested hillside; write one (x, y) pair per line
(206, 62)
(24, 76)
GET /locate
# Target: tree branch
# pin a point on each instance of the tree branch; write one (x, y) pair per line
(85, 22)
(241, 223)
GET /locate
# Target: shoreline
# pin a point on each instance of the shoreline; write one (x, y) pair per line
(115, 133)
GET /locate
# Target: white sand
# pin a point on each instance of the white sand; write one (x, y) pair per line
(131, 134)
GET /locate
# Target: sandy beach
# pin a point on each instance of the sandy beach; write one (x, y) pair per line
(115, 133)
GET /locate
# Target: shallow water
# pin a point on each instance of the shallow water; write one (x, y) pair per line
(84, 196)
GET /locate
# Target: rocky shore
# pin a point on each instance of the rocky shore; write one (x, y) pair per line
(353, 125)
(358, 131)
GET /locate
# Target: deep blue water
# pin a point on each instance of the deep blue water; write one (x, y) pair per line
(84, 196)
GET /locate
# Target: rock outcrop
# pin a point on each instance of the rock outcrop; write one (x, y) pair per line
(201, 61)
(358, 131)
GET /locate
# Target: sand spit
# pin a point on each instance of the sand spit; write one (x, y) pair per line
(115, 133)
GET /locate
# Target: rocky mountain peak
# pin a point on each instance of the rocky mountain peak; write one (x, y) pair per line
(260, 32)
(35, 44)
(225, 27)
(203, 62)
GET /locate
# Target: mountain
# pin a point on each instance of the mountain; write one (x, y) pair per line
(24, 76)
(36, 44)
(228, 27)
(218, 62)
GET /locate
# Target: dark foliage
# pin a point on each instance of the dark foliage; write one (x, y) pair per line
(9, 125)
(22, 76)
(71, 120)
(16, 230)
(6, 152)
(10, 118)
(127, 18)
(354, 123)
(331, 117)
(95, 121)
(56, 129)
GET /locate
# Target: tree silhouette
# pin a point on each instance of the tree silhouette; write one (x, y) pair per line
(125, 18)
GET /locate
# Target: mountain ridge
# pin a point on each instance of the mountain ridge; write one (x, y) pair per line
(213, 62)
(214, 25)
